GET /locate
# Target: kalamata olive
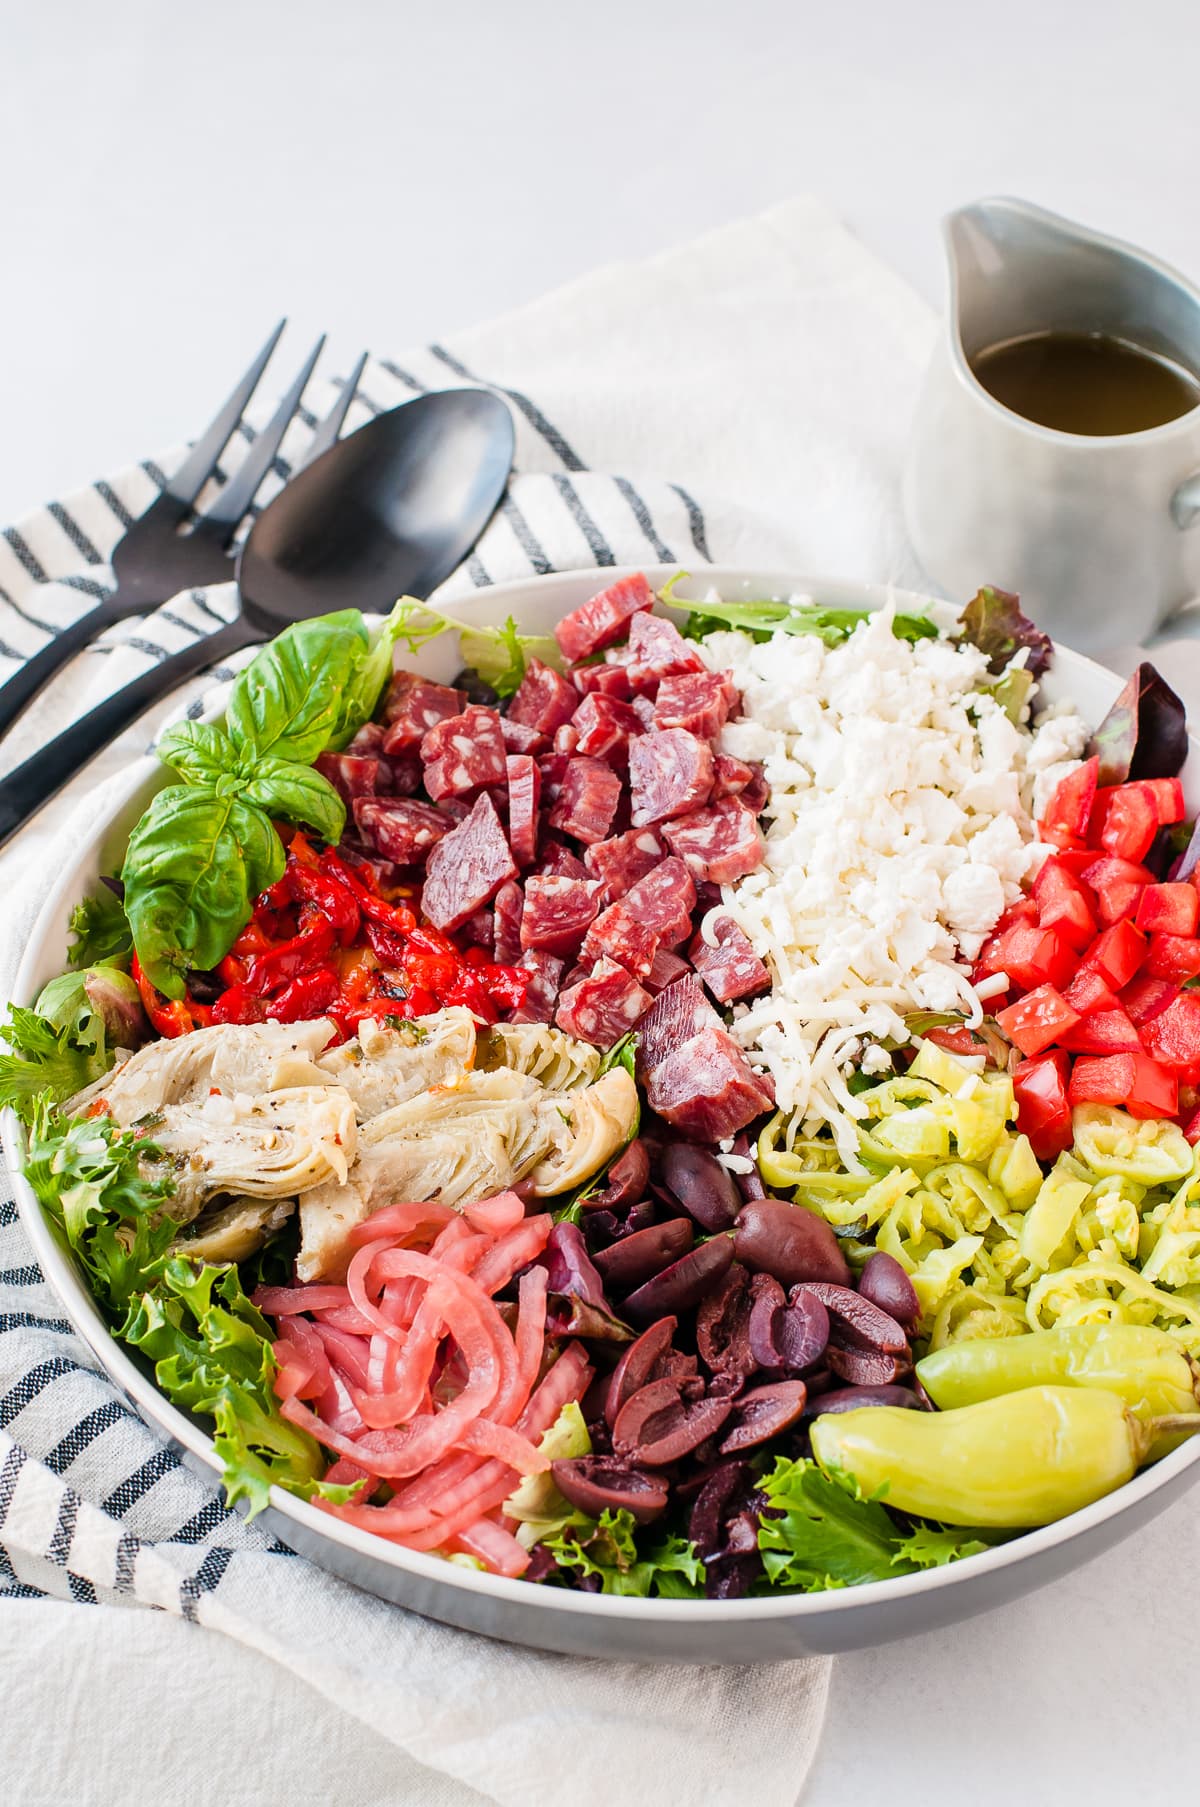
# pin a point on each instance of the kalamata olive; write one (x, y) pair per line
(884, 1282)
(792, 1336)
(721, 1493)
(704, 1188)
(762, 1412)
(657, 1426)
(766, 1298)
(864, 1367)
(789, 1242)
(598, 1484)
(681, 1285)
(723, 1326)
(638, 1365)
(625, 1264)
(853, 1321)
(849, 1399)
(624, 1181)
(748, 1184)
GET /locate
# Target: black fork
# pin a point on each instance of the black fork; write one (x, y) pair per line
(155, 560)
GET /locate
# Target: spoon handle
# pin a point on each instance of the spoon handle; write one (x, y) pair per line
(32, 784)
(29, 678)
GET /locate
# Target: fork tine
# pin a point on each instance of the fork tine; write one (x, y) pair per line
(200, 462)
(233, 501)
(327, 432)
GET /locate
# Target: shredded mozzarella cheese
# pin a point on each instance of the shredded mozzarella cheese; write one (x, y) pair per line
(899, 830)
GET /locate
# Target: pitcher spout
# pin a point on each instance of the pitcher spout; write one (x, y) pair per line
(1016, 269)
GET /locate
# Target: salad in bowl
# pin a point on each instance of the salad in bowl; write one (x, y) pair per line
(696, 1104)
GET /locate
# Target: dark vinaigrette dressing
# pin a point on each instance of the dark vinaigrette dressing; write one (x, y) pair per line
(1079, 382)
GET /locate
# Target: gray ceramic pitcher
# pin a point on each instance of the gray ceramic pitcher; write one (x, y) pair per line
(1101, 536)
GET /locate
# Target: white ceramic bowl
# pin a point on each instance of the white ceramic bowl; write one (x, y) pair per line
(681, 1631)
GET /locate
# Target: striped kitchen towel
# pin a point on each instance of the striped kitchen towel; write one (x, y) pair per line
(751, 391)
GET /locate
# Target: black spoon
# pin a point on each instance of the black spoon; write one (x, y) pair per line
(388, 511)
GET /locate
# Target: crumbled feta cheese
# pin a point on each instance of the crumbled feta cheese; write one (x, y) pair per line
(898, 830)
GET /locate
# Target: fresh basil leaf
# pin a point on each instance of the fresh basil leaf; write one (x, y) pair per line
(289, 700)
(194, 866)
(993, 622)
(199, 752)
(1144, 734)
(297, 793)
(100, 929)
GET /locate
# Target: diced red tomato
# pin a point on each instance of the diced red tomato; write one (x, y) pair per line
(1089, 990)
(1132, 1082)
(1038, 1019)
(1117, 954)
(1071, 805)
(1043, 1113)
(1173, 1035)
(1033, 956)
(1168, 910)
(1117, 883)
(1064, 904)
(1173, 957)
(1131, 821)
(1145, 997)
(1076, 859)
(1103, 1032)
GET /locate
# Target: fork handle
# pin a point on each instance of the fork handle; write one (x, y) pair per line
(19, 690)
(32, 784)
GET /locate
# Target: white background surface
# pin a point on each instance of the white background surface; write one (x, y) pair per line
(174, 179)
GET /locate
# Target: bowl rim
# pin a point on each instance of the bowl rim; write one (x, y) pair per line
(59, 1269)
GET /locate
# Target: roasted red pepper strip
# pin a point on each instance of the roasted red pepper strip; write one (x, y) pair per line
(171, 1017)
(329, 895)
(388, 947)
(308, 996)
(306, 951)
(237, 1005)
(393, 916)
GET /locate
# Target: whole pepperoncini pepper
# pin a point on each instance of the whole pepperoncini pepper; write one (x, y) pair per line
(1145, 1367)
(1010, 1463)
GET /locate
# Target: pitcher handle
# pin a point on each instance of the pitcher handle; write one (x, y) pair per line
(1185, 503)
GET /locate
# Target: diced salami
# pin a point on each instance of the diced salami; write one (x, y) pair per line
(464, 754)
(707, 1087)
(524, 797)
(699, 701)
(604, 728)
(603, 1007)
(558, 861)
(731, 776)
(413, 706)
(558, 913)
(479, 930)
(607, 680)
(544, 699)
(406, 775)
(552, 766)
(587, 802)
(566, 738)
(757, 791)
(368, 742)
(519, 738)
(619, 863)
(510, 904)
(670, 774)
(732, 969)
(618, 935)
(400, 828)
(676, 1015)
(545, 976)
(643, 708)
(601, 621)
(664, 900)
(718, 844)
(667, 968)
(657, 650)
(467, 867)
(353, 775)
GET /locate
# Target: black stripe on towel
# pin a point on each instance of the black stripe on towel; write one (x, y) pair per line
(599, 547)
(641, 515)
(113, 502)
(75, 533)
(403, 376)
(526, 538)
(14, 1462)
(82, 1434)
(82, 1591)
(131, 1489)
(530, 410)
(59, 1547)
(22, 552)
(35, 1381)
(205, 1581)
(696, 525)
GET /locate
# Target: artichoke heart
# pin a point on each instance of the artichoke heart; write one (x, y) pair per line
(228, 1057)
(273, 1146)
(597, 1121)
